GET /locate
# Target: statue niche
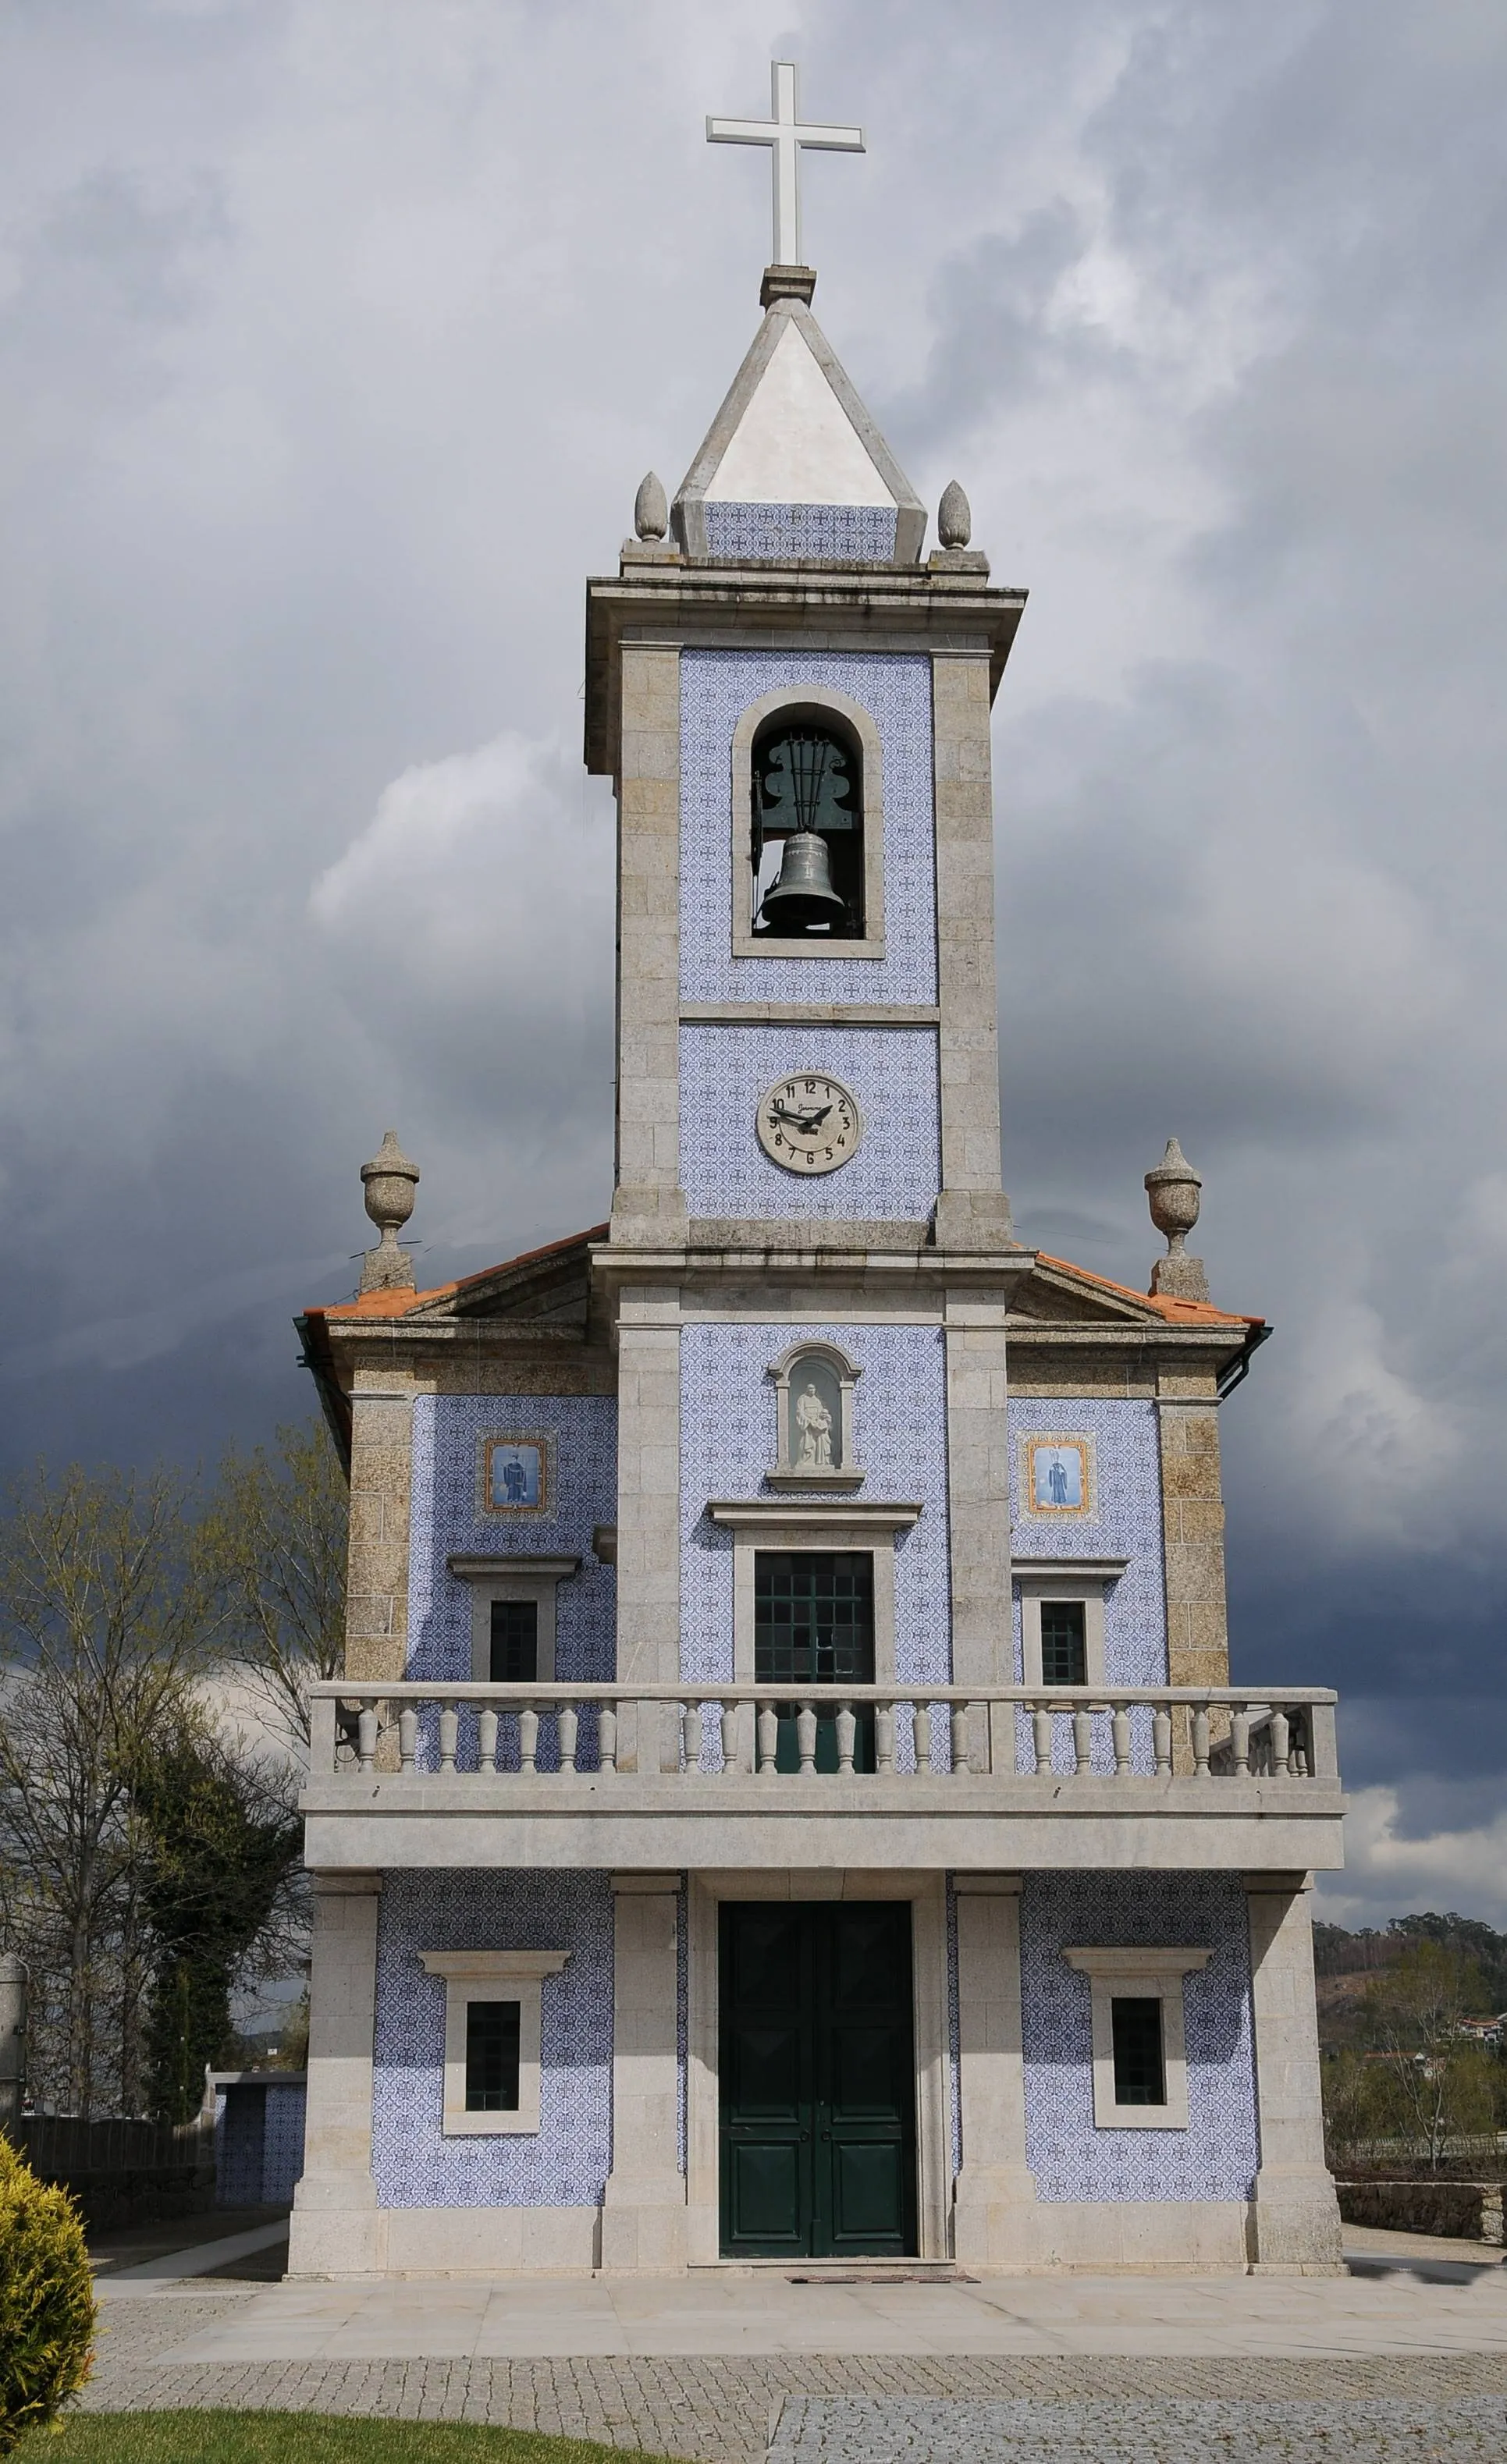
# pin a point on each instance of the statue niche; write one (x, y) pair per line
(814, 1402)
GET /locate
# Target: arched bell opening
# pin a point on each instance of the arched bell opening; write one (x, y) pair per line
(807, 847)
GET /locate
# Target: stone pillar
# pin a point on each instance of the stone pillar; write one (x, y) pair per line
(972, 1211)
(1294, 2216)
(644, 2212)
(12, 2044)
(1193, 1530)
(337, 2227)
(648, 1485)
(377, 1575)
(978, 1489)
(995, 2195)
(647, 1204)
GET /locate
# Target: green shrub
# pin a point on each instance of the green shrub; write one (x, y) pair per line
(47, 2310)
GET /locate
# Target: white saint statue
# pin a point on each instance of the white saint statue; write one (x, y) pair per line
(814, 1421)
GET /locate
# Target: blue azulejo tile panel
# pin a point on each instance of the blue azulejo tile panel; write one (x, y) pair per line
(1217, 2155)
(728, 1443)
(446, 1520)
(716, 688)
(566, 2163)
(774, 534)
(283, 2143)
(897, 1171)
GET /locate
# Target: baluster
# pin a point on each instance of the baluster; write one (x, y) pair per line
(1041, 1736)
(922, 1738)
(768, 1725)
(366, 1734)
(1161, 1741)
(1120, 1729)
(884, 1737)
(528, 1740)
(846, 1734)
(487, 1739)
(567, 1726)
(806, 1738)
(1240, 1743)
(607, 1737)
(1082, 1739)
(958, 1738)
(408, 1735)
(449, 1736)
(726, 1735)
(690, 1734)
(1201, 1742)
(1280, 1763)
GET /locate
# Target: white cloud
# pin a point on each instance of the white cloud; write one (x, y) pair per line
(1388, 1874)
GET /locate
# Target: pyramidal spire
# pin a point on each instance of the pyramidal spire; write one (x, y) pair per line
(793, 466)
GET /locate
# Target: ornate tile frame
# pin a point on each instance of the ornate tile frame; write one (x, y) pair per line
(1078, 1441)
(487, 1443)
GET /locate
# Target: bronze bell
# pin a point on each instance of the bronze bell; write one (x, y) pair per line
(804, 893)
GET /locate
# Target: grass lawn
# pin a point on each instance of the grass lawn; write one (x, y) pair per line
(298, 2438)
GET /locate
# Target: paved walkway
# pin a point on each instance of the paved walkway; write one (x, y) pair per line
(1096, 2370)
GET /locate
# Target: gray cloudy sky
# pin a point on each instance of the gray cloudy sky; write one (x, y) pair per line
(334, 339)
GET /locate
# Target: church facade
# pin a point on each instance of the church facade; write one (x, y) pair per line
(785, 1802)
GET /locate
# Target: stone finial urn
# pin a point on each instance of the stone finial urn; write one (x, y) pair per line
(1172, 1193)
(651, 509)
(954, 516)
(388, 1184)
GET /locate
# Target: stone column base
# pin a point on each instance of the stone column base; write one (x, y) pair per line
(994, 2222)
(1293, 2225)
(644, 2225)
(336, 2228)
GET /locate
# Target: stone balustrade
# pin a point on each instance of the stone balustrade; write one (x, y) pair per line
(706, 1735)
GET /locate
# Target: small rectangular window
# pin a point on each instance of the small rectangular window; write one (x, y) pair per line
(515, 1642)
(1064, 1642)
(1139, 2061)
(492, 2057)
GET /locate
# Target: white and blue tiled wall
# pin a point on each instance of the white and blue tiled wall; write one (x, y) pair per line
(728, 1442)
(1217, 2155)
(445, 1522)
(892, 1071)
(716, 688)
(566, 2163)
(778, 534)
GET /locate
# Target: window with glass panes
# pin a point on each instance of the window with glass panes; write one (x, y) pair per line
(1064, 1642)
(814, 1625)
(1135, 2037)
(493, 2032)
(515, 1642)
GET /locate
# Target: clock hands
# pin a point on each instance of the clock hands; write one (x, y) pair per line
(807, 1124)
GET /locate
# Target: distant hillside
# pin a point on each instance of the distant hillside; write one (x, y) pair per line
(1346, 1963)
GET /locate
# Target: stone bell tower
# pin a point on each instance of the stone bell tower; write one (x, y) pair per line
(807, 1095)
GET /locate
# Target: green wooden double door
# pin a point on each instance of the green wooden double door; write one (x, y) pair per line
(816, 2055)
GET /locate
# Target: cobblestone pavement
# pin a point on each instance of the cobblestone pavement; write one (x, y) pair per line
(879, 2429)
(1429, 2409)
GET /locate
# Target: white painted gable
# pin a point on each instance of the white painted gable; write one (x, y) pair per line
(795, 444)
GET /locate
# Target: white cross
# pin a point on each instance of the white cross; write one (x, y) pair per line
(785, 136)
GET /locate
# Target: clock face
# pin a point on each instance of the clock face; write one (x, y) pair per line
(809, 1122)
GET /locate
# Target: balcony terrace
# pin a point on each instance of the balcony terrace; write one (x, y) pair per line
(662, 1778)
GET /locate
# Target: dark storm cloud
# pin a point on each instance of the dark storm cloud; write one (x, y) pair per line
(332, 348)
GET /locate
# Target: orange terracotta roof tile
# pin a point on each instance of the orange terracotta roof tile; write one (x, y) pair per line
(1176, 1311)
(401, 1303)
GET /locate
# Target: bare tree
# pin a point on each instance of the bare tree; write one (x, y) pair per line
(110, 1610)
(278, 1532)
(1436, 2086)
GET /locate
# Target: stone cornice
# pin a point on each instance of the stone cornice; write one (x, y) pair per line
(884, 607)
